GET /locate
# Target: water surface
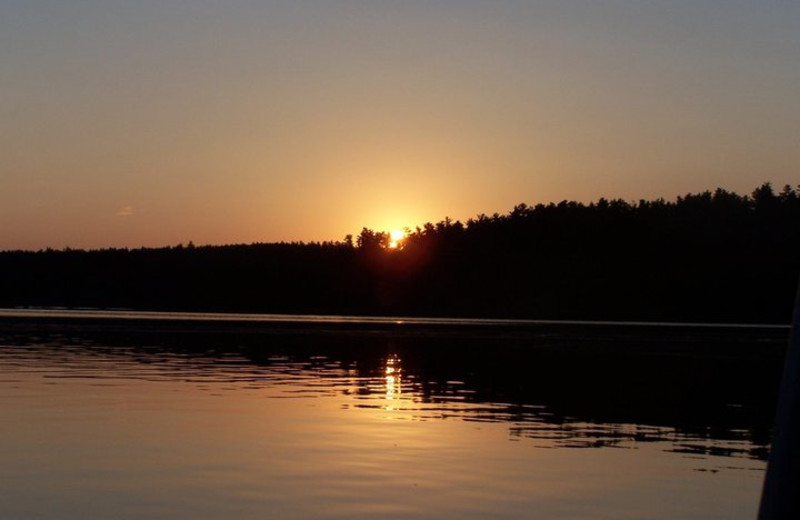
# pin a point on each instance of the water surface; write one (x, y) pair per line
(129, 420)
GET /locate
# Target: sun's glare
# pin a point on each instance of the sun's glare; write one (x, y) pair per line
(396, 237)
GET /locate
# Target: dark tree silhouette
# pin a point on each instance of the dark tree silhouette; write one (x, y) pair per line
(710, 256)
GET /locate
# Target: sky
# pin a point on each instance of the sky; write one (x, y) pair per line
(159, 122)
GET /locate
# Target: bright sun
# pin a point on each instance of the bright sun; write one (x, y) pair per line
(396, 236)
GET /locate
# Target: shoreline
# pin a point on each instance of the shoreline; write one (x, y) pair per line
(347, 320)
(458, 336)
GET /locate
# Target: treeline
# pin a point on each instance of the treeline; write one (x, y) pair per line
(711, 256)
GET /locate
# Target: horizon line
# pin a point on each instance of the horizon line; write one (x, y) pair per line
(335, 319)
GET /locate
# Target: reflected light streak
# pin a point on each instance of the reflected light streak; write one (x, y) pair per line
(393, 379)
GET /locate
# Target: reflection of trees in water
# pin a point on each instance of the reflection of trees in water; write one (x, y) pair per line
(712, 395)
(705, 395)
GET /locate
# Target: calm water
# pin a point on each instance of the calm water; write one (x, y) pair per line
(134, 419)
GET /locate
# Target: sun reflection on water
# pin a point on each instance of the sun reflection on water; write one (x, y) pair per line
(315, 434)
(393, 378)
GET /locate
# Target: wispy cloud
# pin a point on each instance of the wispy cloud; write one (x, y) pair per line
(125, 211)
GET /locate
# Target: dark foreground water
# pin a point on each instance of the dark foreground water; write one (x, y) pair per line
(131, 419)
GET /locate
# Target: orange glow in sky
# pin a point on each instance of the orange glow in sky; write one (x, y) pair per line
(396, 237)
(129, 124)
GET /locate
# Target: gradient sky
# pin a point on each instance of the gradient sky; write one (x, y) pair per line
(130, 123)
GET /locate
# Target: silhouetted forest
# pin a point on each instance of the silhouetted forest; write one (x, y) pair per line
(711, 256)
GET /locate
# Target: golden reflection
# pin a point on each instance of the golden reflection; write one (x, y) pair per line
(393, 379)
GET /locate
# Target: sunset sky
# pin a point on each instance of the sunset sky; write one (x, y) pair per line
(128, 123)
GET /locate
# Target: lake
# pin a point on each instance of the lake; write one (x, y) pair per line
(143, 415)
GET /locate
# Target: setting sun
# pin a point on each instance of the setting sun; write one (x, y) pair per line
(396, 237)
